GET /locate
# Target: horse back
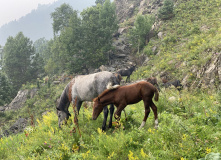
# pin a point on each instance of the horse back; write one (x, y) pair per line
(83, 88)
(87, 87)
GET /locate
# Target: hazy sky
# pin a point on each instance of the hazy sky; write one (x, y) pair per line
(14, 9)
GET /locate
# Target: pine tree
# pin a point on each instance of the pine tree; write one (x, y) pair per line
(166, 11)
(61, 17)
(138, 34)
(6, 93)
(18, 54)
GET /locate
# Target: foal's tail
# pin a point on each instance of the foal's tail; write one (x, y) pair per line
(156, 95)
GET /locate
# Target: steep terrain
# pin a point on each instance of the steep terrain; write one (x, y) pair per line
(186, 47)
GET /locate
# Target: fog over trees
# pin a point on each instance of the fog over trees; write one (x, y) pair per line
(38, 23)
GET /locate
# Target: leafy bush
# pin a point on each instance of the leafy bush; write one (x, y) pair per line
(166, 11)
(139, 34)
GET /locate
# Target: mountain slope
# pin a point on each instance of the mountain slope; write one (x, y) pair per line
(185, 47)
(189, 121)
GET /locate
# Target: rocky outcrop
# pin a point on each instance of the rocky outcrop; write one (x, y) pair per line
(17, 127)
(208, 76)
(17, 103)
(21, 98)
(125, 8)
(126, 11)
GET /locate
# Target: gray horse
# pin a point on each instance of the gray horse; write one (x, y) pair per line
(86, 88)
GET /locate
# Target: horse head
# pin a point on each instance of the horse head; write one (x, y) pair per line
(97, 108)
(63, 116)
(62, 108)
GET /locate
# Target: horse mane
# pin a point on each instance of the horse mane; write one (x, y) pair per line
(64, 98)
(110, 86)
(108, 90)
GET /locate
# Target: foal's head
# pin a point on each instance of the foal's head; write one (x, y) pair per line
(97, 108)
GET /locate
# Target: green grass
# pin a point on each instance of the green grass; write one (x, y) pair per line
(189, 128)
(189, 123)
(190, 40)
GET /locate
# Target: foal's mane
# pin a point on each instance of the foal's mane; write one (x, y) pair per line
(106, 92)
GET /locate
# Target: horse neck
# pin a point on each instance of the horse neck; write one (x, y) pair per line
(64, 99)
(132, 69)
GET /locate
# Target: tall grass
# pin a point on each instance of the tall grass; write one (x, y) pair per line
(189, 128)
(189, 122)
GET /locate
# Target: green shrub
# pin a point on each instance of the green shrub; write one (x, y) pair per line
(166, 11)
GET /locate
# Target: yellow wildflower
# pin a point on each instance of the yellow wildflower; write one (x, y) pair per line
(85, 155)
(99, 131)
(208, 150)
(131, 157)
(110, 156)
(149, 130)
(184, 137)
(143, 154)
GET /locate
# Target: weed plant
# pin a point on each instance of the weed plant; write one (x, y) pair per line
(189, 128)
(189, 122)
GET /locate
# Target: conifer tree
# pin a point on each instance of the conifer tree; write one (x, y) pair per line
(18, 54)
(166, 11)
(6, 93)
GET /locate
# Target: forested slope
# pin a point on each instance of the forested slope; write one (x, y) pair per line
(185, 46)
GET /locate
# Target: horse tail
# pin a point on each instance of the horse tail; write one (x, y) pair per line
(156, 95)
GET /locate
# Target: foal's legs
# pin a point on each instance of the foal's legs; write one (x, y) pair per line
(147, 111)
(154, 108)
(117, 114)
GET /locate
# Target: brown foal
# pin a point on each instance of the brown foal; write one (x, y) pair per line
(121, 96)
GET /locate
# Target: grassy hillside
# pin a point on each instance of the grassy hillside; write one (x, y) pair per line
(189, 122)
(189, 128)
(190, 40)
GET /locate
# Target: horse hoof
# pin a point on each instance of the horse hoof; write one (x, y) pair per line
(103, 129)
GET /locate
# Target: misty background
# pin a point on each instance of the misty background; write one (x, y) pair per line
(38, 23)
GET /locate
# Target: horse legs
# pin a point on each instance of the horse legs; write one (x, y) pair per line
(117, 114)
(147, 112)
(125, 114)
(128, 79)
(78, 104)
(154, 108)
(105, 111)
(111, 115)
